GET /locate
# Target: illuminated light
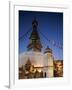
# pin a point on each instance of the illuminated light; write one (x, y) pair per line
(27, 72)
(39, 70)
(38, 65)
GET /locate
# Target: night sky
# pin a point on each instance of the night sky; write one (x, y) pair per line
(49, 23)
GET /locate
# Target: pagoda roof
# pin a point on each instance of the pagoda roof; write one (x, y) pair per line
(48, 50)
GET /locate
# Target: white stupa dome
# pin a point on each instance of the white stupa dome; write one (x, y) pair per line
(36, 58)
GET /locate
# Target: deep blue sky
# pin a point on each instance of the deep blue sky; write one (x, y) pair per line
(49, 23)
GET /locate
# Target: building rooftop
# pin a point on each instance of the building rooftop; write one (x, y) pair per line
(48, 50)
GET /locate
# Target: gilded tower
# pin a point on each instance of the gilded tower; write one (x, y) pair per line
(34, 39)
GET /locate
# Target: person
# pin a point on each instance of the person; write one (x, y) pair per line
(45, 74)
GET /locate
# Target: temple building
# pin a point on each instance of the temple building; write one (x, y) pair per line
(34, 63)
